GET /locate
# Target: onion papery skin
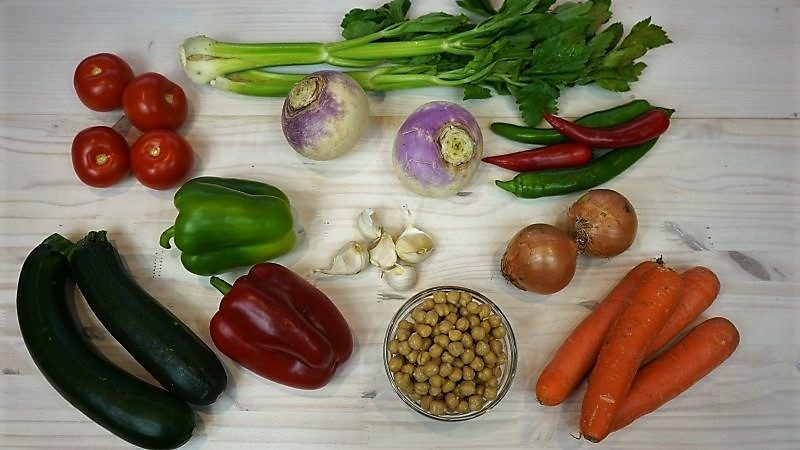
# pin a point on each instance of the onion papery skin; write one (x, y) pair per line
(603, 223)
(540, 258)
(419, 158)
(329, 119)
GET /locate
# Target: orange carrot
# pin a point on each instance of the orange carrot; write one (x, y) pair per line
(576, 355)
(704, 348)
(625, 346)
(700, 289)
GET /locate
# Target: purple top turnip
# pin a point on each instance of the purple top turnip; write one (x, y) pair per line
(437, 149)
(324, 115)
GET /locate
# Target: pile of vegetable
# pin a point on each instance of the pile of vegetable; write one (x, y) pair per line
(631, 326)
(542, 258)
(134, 410)
(530, 49)
(160, 158)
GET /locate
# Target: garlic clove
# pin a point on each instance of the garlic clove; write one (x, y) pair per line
(367, 225)
(400, 277)
(414, 245)
(382, 254)
(351, 259)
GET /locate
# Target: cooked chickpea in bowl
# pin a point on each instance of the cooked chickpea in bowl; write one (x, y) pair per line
(449, 353)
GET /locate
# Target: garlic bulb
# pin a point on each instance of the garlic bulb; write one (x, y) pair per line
(351, 259)
(382, 253)
(401, 277)
(413, 245)
(367, 226)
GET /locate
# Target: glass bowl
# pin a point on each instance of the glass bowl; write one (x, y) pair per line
(414, 399)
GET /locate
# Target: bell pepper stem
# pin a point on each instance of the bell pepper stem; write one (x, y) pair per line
(221, 285)
(168, 234)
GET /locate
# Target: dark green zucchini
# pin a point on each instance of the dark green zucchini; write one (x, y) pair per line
(132, 409)
(175, 356)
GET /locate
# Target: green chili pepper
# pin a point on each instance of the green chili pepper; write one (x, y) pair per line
(226, 223)
(600, 119)
(564, 181)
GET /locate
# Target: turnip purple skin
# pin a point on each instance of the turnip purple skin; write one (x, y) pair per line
(437, 149)
(324, 115)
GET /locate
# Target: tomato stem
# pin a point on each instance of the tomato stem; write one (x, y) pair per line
(154, 150)
(101, 159)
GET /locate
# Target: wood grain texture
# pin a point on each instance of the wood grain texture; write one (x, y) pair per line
(721, 189)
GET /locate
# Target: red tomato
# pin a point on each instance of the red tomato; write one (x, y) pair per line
(151, 101)
(161, 159)
(100, 80)
(100, 156)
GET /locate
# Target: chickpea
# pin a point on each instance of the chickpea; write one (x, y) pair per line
(495, 320)
(468, 356)
(463, 407)
(451, 401)
(474, 321)
(431, 317)
(475, 402)
(498, 371)
(423, 329)
(493, 382)
(419, 374)
(412, 356)
(496, 345)
(425, 402)
(407, 368)
(436, 380)
(435, 350)
(467, 341)
(456, 375)
(466, 388)
(485, 311)
(445, 369)
(439, 297)
(454, 334)
(490, 393)
(485, 325)
(415, 341)
(430, 368)
(402, 334)
(462, 324)
(462, 311)
(464, 298)
(403, 348)
(458, 363)
(423, 357)
(478, 333)
(444, 327)
(477, 364)
(467, 373)
(438, 407)
(402, 380)
(448, 386)
(442, 340)
(490, 359)
(453, 296)
(452, 316)
(455, 348)
(418, 314)
(427, 304)
(502, 358)
(392, 346)
(441, 309)
(473, 308)
(447, 357)
(479, 389)
(421, 388)
(499, 332)
(482, 348)
(405, 325)
(395, 363)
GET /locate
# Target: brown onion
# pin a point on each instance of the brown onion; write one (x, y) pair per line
(540, 258)
(602, 222)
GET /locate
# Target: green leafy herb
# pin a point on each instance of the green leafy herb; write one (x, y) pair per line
(530, 49)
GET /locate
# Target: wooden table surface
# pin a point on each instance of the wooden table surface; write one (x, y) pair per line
(721, 189)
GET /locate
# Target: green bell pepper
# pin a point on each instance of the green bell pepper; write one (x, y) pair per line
(227, 223)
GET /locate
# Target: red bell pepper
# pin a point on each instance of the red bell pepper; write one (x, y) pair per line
(277, 324)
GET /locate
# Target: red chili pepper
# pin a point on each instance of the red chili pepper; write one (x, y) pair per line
(641, 129)
(275, 323)
(558, 156)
